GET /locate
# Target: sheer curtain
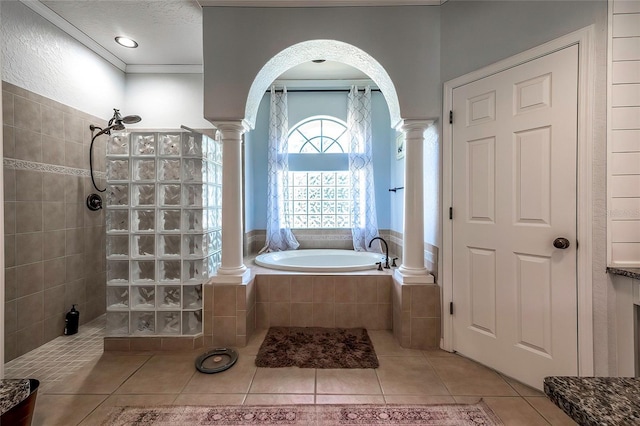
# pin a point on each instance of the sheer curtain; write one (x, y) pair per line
(363, 212)
(279, 235)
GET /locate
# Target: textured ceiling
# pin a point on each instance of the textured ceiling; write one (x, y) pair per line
(167, 31)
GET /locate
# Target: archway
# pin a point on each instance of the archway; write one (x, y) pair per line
(232, 269)
(331, 50)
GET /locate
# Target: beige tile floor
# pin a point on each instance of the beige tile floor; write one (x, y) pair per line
(404, 376)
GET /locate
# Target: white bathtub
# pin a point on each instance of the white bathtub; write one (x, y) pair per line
(321, 260)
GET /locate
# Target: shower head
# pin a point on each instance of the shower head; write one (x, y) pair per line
(117, 122)
(131, 119)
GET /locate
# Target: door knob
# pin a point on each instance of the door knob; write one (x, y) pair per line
(561, 243)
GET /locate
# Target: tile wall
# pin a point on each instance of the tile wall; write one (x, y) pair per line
(54, 245)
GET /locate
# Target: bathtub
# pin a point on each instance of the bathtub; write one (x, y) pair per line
(319, 260)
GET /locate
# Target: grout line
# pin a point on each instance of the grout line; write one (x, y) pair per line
(94, 409)
(315, 385)
(535, 409)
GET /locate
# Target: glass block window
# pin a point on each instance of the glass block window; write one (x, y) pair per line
(319, 191)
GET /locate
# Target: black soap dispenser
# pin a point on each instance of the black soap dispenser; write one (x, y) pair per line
(71, 321)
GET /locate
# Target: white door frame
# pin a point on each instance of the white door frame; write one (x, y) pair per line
(584, 38)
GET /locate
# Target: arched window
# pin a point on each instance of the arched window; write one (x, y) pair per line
(319, 194)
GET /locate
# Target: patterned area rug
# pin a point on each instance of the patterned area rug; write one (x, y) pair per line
(307, 415)
(316, 347)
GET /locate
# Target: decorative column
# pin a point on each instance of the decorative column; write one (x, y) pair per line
(412, 269)
(232, 269)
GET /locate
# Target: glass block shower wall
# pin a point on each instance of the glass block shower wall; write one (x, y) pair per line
(164, 198)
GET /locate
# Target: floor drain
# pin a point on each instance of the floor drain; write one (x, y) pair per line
(217, 360)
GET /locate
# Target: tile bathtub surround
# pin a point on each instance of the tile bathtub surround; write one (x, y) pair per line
(416, 315)
(54, 246)
(324, 301)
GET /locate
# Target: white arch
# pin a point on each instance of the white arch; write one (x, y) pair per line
(331, 50)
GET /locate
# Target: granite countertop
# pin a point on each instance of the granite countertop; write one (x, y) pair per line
(626, 272)
(13, 392)
(596, 400)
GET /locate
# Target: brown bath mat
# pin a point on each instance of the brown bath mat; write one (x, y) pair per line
(316, 347)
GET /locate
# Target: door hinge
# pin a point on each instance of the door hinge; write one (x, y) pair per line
(450, 213)
(450, 117)
(450, 308)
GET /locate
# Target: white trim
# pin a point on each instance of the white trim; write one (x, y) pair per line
(584, 38)
(317, 3)
(609, 130)
(164, 69)
(74, 32)
(2, 263)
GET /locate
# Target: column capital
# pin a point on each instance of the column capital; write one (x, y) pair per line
(231, 126)
(409, 124)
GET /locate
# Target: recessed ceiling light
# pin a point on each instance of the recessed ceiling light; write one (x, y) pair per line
(318, 61)
(126, 42)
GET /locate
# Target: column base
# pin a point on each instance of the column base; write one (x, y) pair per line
(413, 276)
(232, 276)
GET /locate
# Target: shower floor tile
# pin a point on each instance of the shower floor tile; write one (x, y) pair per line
(64, 355)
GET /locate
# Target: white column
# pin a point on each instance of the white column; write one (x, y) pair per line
(232, 269)
(412, 269)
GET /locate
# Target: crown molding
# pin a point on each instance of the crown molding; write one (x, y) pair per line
(317, 3)
(74, 32)
(164, 69)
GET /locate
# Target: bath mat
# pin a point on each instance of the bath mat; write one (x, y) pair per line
(307, 415)
(317, 347)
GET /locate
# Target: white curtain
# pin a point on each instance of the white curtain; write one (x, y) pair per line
(363, 212)
(279, 235)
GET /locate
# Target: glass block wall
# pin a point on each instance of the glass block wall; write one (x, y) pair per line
(163, 201)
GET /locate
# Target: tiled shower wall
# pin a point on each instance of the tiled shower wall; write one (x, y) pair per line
(54, 245)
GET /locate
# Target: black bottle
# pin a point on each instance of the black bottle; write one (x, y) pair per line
(71, 321)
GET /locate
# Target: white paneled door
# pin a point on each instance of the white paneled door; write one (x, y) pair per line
(514, 197)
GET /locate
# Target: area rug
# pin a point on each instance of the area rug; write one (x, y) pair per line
(306, 415)
(317, 347)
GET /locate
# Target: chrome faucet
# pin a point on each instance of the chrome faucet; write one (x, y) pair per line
(386, 248)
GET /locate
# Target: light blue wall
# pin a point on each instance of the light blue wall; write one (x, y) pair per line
(301, 106)
(396, 210)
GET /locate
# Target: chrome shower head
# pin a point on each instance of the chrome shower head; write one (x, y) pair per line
(117, 122)
(131, 119)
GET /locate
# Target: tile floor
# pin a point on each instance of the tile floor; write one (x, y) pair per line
(404, 376)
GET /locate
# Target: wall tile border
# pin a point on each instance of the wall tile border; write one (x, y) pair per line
(14, 164)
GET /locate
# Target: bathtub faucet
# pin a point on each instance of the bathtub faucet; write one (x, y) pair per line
(386, 248)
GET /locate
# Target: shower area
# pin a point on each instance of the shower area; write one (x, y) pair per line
(163, 230)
